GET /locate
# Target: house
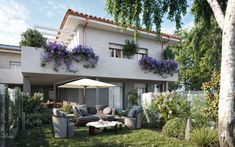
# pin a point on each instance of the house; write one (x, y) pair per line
(10, 65)
(107, 41)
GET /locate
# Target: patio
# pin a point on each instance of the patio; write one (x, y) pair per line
(42, 136)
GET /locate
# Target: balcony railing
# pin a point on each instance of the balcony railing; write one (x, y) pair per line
(108, 67)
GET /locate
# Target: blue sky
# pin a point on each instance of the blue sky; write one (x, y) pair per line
(17, 15)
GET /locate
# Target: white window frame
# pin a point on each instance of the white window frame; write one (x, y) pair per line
(15, 65)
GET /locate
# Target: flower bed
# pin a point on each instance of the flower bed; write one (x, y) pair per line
(162, 67)
(59, 55)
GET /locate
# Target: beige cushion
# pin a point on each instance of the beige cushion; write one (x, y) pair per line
(107, 110)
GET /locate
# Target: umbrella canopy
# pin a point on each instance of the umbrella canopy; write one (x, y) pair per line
(86, 83)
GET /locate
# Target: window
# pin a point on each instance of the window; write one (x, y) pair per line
(15, 65)
(141, 53)
(115, 50)
(116, 53)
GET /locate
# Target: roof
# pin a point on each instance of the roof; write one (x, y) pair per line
(11, 48)
(74, 13)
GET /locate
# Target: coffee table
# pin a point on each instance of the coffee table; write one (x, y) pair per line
(103, 125)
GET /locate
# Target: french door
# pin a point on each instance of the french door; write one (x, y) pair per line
(116, 96)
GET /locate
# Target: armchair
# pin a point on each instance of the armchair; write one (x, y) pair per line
(133, 120)
(62, 128)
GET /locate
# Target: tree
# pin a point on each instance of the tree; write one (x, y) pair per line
(33, 38)
(198, 54)
(150, 12)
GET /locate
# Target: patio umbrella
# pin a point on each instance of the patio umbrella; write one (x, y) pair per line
(86, 83)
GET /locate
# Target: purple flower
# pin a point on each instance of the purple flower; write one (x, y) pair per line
(60, 54)
(163, 67)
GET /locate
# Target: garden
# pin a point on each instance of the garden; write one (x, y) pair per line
(172, 119)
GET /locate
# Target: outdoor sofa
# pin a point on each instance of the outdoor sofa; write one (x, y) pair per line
(84, 114)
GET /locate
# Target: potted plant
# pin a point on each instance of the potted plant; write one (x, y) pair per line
(130, 48)
(133, 97)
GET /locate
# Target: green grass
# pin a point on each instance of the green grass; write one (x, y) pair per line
(42, 137)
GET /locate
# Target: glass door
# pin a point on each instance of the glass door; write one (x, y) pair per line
(116, 96)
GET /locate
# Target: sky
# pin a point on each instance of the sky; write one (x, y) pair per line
(18, 15)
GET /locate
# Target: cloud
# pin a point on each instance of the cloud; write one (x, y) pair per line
(53, 8)
(188, 25)
(169, 30)
(13, 18)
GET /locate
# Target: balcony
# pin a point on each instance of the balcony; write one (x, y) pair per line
(107, 67)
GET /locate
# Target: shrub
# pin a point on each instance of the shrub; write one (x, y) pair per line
(212, 99)
(152, 117)
(32, 37)
(196, 112)
(38, 118)
(31, 105)
(171, 105)
(33, 119)
(67, 108)
(175, 128)
(205, 137)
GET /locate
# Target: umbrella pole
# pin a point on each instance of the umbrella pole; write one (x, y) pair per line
(84, 95)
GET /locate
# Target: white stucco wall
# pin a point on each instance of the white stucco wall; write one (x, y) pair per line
(99, 40)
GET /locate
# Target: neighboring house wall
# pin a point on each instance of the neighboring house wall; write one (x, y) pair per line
(10, 71)
(7, 57)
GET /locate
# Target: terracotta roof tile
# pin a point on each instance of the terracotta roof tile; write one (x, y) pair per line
(71, 12)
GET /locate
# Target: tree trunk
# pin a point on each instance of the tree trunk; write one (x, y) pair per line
(226, 100)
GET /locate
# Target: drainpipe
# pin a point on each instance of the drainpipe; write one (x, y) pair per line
(164, 43)
(84, 31)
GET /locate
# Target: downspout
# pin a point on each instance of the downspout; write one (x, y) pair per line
(164, 43)
(84, 31)
(164, 82)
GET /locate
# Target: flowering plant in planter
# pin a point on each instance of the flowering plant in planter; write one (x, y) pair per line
(86, 54)
(163, 67)
(60, 55)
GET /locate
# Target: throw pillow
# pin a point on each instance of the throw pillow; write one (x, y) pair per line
(131, 113)
(83, 109)
(78, 112)
(100, 108)
(91, 110)
(107, 110)
(57, 112)
(137, 108)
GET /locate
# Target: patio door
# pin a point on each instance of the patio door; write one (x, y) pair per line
(116, 96)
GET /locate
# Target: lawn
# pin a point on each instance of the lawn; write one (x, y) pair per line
(42, 136)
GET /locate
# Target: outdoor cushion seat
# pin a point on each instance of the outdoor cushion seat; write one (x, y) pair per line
(96, 117)
(89, 118)
(92, 115)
